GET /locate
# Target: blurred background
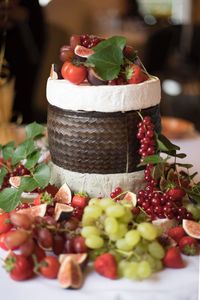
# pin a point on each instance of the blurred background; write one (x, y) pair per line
(166, 34)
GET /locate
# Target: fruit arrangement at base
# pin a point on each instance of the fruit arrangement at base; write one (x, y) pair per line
(92, 60)
(58, 233)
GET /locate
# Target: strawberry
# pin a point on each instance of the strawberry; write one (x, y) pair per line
(176, 193)
(173, 258)
(176, 233)
(106, 265)
(80, 200)
(43, 198)
(134, 74)
(189, 245)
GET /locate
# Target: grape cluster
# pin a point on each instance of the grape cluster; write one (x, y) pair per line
(89, 41)
(153, 201)
(146, 137)
(110, 225)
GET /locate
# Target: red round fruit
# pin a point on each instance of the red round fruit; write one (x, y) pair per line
(2, 241)
(49, 267)
(73, 73)
(5, 224)
(79, 245)
(176, 193)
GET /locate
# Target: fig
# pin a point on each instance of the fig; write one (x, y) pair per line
(80, 258)
(34, 211)
(94, 78)
(83, 51)
(63, 195)
(70, 274)
(62, 212)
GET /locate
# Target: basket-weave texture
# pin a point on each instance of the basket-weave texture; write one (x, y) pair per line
(96, 142)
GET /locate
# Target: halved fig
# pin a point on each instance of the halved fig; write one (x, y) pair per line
(63, 195)
(70, 274)
(94, 78)
(34, 211)
(80, 258)
(83, 51)
(15, 181)
(62, 212)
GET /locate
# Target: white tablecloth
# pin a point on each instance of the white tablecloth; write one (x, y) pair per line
(169, 284)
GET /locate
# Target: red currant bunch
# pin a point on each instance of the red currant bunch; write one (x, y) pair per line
(116, 192)
(89, 41)
(146, 137)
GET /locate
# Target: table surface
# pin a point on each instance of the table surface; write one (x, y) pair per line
(180, 284)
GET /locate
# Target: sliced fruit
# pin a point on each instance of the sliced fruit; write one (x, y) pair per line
(94, 78)
(83, 51)
(62, 212)
(192, 228)
(79, 257)
(15, 181)
(131, 197)
(63, 195)
(70, 274)
(34, 211)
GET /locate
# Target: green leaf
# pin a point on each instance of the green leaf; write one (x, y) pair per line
(107, 62)
(42, 175)
(193, 175)
(153, 159)
(32, 160)
(165, 145)
(178, 155)
(3, 172)
(28, 184)
(7, 150)
(9, 198)
(23, 150)
(157, 171)
(117, 41)
(34, 129)
(193, 195)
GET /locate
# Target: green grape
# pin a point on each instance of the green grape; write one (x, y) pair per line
(93, 211)
(123, 229)
(111, 225)
(122, 267)
(127, 217)
(115, 236)
(123, 245)
(94, 242)
(144, 269)
(131, 270)
(158, 265)
(147, 230)
(115, 211)
(87, 231)
(151, 261)
(132, 237)
(94, 201)
(87, 221)
(105, 202)
(156, 250)
(195, 211)
(141, 248)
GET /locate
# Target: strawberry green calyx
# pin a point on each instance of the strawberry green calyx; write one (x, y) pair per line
(46, 198)
(82, 194)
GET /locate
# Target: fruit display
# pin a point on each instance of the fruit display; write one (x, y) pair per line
(57, 234)
(93, 60)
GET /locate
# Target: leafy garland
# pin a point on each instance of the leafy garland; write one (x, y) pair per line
(29, 153)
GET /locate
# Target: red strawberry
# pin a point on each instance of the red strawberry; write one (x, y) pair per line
(176, 233)
(43, 198)
(173, 258)
(106, 265)
(189, 245)
(134, 74)
(80, 200)
(176, 193)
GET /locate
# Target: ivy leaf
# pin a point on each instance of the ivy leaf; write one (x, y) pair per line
(178, 155)
(32, 159)
(7, 150)
(42, 175)
(34, 129)
(3, 172)
(164, 145)
(187, 166)
(153, 159)
(117, 41)
(9, 198)
(23, 150)
(107, 62)
(28, 184)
